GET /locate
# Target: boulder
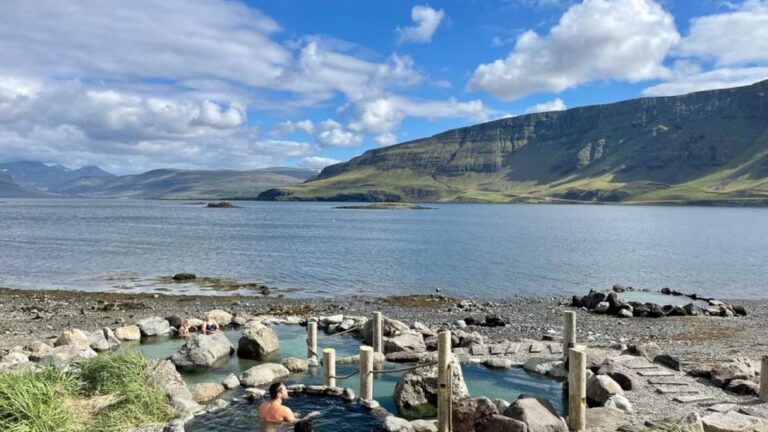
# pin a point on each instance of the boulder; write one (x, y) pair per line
(39, 348)
(624, 313)
(258, 341)
(203, 351)
(231, 381)
(733, 422)
(691, 423)
(174, 321)
(669, 361)
(594, 298)
(65, 354)
(406, 356)
(602, 387)
(397, 424)
(744, 387)
(73, 337)
(424, 425)
(99, 343)
(206, 392)
(541, 365)
(423, 329)
(601, 307)
(605, 419)
(467, 413)
(416, 391)
(262, 374)
(128, 333)
(648, 350)
(498, 363)
(389, 328)
(501, 405)
(183, 277)
(738, 369)
(154, 326)
(619, 402)
(295, 365)
(500, 423)
(223, 318)
(406, 341)
(627, 378)
(163, 374)
(13, 359)
(537, 414)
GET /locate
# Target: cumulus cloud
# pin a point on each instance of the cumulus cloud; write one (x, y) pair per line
(426, 21)
(688, 82)
(335, 138)
(317, 162)
(553, 105)
(289, 127)
(597, 39)
(386, 139)
(738, 37)
(382, 114)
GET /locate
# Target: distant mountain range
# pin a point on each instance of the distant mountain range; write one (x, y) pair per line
(30, 179)
(709, 147)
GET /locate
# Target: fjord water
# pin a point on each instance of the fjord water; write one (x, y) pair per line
(465, 250)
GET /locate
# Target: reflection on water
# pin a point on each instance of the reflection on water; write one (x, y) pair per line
(507, 384)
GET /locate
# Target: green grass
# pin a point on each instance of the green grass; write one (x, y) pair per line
(106, 393)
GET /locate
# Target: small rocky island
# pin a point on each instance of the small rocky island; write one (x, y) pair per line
(221, 204)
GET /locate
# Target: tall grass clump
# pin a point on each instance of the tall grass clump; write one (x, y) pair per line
(30, 404)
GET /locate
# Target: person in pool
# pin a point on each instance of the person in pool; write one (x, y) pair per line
(273, 411)
(184, 329)
(209, 325)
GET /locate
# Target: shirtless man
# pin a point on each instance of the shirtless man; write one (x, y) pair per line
(273, 411)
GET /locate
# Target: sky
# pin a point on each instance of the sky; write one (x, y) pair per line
(225, 84)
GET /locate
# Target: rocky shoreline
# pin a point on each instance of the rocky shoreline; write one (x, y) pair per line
(697, 346)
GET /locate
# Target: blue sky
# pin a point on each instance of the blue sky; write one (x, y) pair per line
(228, 84)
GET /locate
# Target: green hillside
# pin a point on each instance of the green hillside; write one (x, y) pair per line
(187, 184)
(705, 147)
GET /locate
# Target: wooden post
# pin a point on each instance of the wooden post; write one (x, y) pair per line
(569, 331)
(312, 339)
(577, 389)
(444, 391)
(329, 361)
(378, 346)
(764, 379)
(366, 372)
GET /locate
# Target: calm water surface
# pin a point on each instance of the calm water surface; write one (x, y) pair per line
(465, 250)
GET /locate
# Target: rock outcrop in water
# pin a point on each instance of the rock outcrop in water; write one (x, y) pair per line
(203, 351)
(416, 391)
(705, 147)
(258, 342)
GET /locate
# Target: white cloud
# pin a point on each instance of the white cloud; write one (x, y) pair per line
(289, 127)
(682, 82)
(335, 138)
(386, 139)
(597, 39)
(382, 114)
(317, 162)
(329, 124)
(738, 37)
(553, 105)
(426, 21)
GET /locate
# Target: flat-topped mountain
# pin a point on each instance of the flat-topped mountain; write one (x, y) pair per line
(707, 147)
(187, 184)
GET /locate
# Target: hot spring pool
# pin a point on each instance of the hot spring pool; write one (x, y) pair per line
(507, 384)
(242, 416)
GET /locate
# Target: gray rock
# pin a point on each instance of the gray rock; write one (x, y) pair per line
(627, 378)
(500, 423)
(397, 424)
(262, 374)
(423, 329)
(73, 337)
(416, 391)
(154, 326)
(606, 419)
(13, 359)
(424, 425)
(601, 307)
(738, 369)
(692, 423)
(222, 318)
(406, 341)
(541, 365)
(231, 381)
(467, 413)
(669, 361)
(203, 351)
(624, 313)
(498, 363)
(602, 387)
(65, 354)
(648, 350)
(501, 405)
(619, 402)
(128, 333)
(206, 392)
(389, 328)
(258, 342)
(744, 387)
(163, 374)
(406, 356)
(537, 415)
(295, 365)
(733, 422)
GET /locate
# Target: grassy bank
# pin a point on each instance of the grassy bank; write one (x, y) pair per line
(107, 393)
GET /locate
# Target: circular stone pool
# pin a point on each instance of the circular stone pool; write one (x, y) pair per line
(336, 416)
(506, 384)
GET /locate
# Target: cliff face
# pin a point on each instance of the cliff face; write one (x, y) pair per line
(697, 146)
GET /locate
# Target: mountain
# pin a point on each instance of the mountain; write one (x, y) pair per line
(37, 175)
(187, 184)
(709, 147)
(9, 189)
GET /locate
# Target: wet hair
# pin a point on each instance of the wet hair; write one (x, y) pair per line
(303, 426)
(274, 389)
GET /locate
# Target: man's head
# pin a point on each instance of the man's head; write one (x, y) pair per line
(303, 426)
(278, 391)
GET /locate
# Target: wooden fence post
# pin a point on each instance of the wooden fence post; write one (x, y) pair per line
(377, 333)
(577, 389)
(366, 372)
(764, 379)
(329, 361)
(569, 331)
(312, 340)
(444, 391)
